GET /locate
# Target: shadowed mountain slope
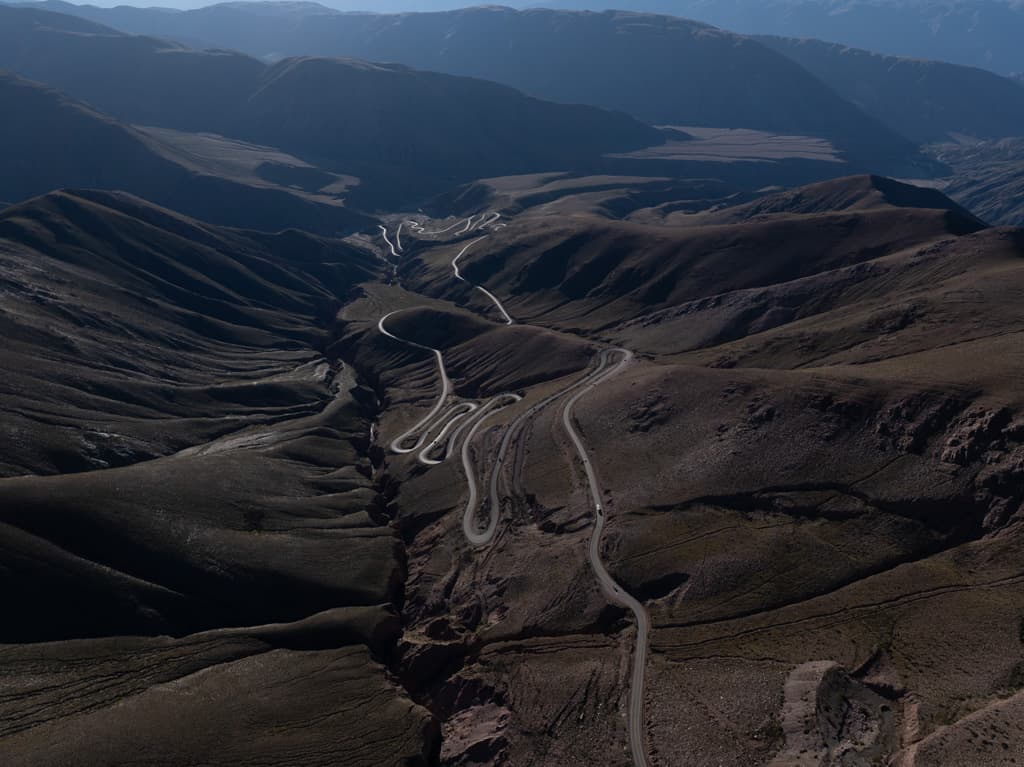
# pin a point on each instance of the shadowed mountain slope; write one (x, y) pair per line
(138, 342)
(660, 69)
(306, 693)
(988, 177)
(818, 440)
(397, 128)
(859, 193)
(49, 141)
(179, 455)
(925, 29)
(588, 272)
(926, 101)
(141, 80)
(974, 33)
(367, 116)
(286, 499)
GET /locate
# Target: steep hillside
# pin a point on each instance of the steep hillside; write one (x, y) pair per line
(927, 101)
(178, 456)
(860, 193)
(585, 272)
(134, 333)
(812, 456)
(925, 29)
(136, 79)
(49, 141)
(404, 131)
(988, 177)
(591, 452)
(387, 117)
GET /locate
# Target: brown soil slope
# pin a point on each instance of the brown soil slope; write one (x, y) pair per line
(812, 478)
(811, 474)
(180, 456)
(588, 272)
(619, 60)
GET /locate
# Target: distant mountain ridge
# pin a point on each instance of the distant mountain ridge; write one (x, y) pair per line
(988, 177)
(396, 128)
(624, 61)
(927, 101)
(980, 33)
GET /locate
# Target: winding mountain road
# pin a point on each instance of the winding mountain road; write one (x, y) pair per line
(391, 245)
(470, 527)
(446, 436)
(487, 220)
(446, 389)
(610, 588)
(450, 422)
(458, 275)
(470, 417)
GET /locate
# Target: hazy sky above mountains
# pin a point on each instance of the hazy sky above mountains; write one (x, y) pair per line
(682, 7)
(385, 6)
(396, 6)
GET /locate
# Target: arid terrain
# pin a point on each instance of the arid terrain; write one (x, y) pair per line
(800, 476)
(365, 415)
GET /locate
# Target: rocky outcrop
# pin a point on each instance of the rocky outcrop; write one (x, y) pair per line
(832, 720)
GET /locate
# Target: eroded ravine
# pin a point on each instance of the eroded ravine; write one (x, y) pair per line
(464, 419)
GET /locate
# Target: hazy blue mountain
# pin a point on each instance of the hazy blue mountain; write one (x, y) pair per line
(925, 100)
(660, 69)
(981, 33)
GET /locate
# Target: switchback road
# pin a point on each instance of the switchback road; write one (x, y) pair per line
(469, 418)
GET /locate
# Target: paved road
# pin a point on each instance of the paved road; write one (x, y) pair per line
(391, 246)
(446, 389)
(461, 253)
(470, 418)
(450, 423)
(487, 220)
(458, 275)
(479, 224)
(448, 434)
(470, 522)
(637, 734)
(470, 526)
(417, 228)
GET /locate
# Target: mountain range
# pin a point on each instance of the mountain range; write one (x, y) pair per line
(977, 33)
(568, 58)
(874, 110)
(504, 387)
(344, 115)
